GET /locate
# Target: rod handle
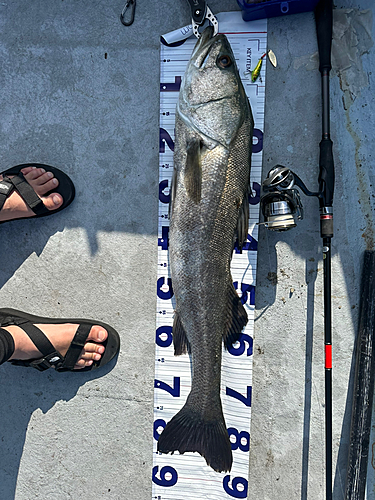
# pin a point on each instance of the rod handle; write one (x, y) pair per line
(326, 172)
(323, 20)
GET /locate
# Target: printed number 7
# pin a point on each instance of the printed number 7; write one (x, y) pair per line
(244, 399)
(174, 391)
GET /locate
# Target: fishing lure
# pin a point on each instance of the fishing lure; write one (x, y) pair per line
(256, 71)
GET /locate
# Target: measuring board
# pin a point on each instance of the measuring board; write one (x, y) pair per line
(187, 476)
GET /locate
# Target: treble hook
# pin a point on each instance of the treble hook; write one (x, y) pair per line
(131, 4)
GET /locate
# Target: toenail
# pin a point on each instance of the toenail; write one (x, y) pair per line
(42, 170)
(54, 181)
(101, 335)
(97, 357)
(50, 174)
(56, 200)
(100, 350)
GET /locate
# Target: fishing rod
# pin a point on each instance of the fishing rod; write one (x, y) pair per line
(282, 206)
(323, 20)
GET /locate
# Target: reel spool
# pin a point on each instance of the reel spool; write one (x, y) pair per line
(281, 203)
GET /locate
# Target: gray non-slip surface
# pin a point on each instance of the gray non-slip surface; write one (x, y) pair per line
(81, 91)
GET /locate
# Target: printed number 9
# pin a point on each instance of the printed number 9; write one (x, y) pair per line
(161, 332)
(234, 491)
(168, 293)
(237, 350)
(171, 480)
(159, 423)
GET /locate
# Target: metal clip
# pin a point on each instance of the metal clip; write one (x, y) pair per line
(211, 18)
(130, 5)
(200, 12)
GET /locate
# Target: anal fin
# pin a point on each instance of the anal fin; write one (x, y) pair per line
(236, 318)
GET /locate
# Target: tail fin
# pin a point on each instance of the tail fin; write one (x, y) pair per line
(189, 431)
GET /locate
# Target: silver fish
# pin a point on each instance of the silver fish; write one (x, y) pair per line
(209, 206)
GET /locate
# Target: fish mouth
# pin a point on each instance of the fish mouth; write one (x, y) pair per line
(203, 46)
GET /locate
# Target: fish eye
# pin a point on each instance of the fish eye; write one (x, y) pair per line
(224, 61)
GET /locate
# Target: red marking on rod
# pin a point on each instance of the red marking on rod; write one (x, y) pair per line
(328, 351)
(323, 217)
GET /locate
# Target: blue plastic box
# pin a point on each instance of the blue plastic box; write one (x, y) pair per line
(255, 9)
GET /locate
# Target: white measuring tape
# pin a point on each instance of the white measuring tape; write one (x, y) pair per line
(184, 477)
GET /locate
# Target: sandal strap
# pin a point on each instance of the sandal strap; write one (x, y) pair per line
(75, 347)
(51, 357)
(27, 193)
(6, 188)
(52, 360)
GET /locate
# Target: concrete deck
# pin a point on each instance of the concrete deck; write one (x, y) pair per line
(81, 91)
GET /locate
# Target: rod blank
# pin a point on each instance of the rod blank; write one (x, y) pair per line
(363, 385)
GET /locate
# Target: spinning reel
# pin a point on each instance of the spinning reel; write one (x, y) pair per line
(281, 202)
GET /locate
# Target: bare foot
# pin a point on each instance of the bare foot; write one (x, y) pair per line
(60, 336)
(42, 182)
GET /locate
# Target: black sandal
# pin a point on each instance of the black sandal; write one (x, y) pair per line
(51, 357)
(24, 189)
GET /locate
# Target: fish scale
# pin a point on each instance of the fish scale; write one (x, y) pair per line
(209, 203)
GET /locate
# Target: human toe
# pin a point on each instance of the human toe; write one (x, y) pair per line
(26, 170)
(97, 334)
(43, 182)
(52, 201)
(90, 353)
(91, 349)
(82, 363)
(32, 173)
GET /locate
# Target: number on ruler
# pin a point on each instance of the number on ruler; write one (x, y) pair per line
(164, 295)
(246, 291)
(160, 423)
(240, 349)
(173, 391)
(163, 241)
(250, 244)
(254, 200)
(165, 138)
(239, 436)
(171, 87)
(162, 331)
(234, 491)
(164, 198)
(258, 146)
(168, 476)
(246, 400)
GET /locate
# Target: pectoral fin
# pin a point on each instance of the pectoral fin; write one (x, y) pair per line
(193, 170)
